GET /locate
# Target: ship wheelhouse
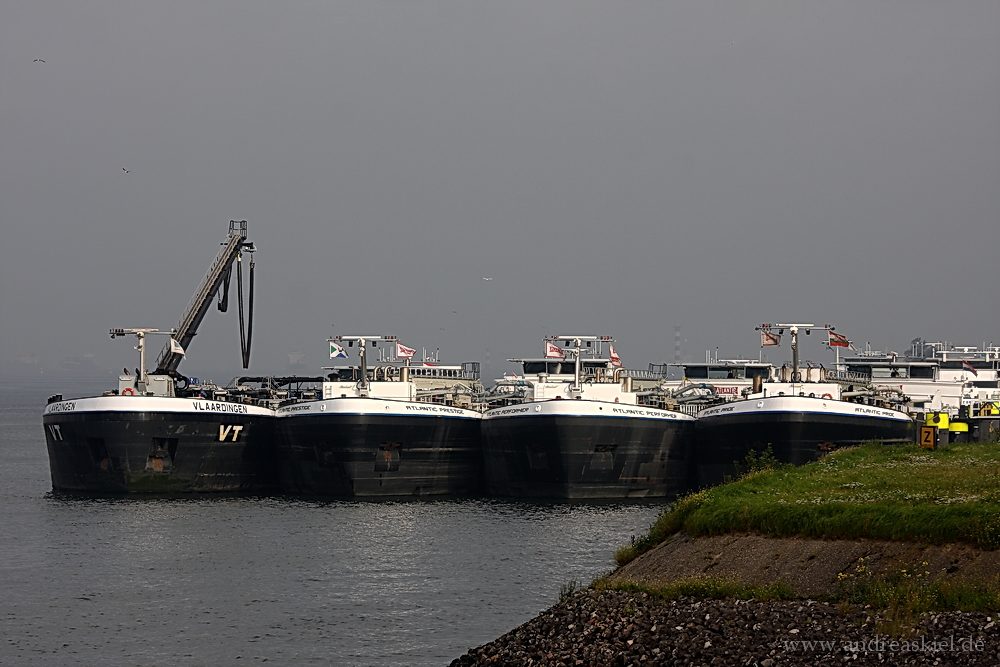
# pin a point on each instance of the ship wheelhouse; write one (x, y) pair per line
(727, 371)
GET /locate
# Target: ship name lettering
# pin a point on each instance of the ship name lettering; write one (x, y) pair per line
(631, 411)
(510, 411)
(422, 408)
(219, 407)
(65, 406)
(295, 408)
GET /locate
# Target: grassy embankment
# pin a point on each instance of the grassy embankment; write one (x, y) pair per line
(900, 493)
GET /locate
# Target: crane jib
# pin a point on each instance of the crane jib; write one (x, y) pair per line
(221, 268)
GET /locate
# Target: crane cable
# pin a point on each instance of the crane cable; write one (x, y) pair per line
(245, 337)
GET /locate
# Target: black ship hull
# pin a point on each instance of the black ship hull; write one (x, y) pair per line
(365, 447)
(540, 450)
(125, 444)
(798, 430)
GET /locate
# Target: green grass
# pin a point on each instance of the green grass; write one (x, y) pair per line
(900, 598)
(909, 591)
(897, 492)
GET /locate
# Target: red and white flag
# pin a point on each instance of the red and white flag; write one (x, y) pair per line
(616, 361)
(404, 352)
(768, 338)
(836, 340)
(554, 351)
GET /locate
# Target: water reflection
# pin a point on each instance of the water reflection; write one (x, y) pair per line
(198, 580)
(372, 582)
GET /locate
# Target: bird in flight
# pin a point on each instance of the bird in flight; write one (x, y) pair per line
(485, 278)
(39, 60)
(126, 170)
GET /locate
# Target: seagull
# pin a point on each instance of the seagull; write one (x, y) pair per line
(126, 170)
(485, 278)
(39, 60)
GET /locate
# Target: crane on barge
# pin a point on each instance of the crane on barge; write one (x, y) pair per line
(218, 277)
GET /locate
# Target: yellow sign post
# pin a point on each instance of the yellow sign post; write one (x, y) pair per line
(928, 437)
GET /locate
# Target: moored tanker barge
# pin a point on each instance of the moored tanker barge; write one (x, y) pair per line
(159, 444)
(391, 430)
(799, 416)
(585, 428)
(161, 432)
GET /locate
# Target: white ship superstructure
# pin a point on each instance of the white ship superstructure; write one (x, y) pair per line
(937, 377)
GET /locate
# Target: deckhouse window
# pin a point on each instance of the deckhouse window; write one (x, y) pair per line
(724, 373)
(890, 372)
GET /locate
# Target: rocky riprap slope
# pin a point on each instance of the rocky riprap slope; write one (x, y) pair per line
(613, 628)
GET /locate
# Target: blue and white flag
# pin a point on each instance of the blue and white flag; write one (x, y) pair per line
(337, 351)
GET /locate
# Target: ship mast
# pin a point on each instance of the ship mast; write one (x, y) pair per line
(793, 329)
(362, 354)
(577, 349)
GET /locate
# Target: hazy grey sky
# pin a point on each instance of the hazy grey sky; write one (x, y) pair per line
(616, 168)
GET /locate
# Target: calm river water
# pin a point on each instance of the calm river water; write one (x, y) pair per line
(238, 581)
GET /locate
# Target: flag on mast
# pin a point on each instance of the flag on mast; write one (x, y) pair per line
(837, 340)
(553, 351)
(966, 366)
(175, 347)
(616, 361)
(768, 338)
(337, 351)
(404, 352)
